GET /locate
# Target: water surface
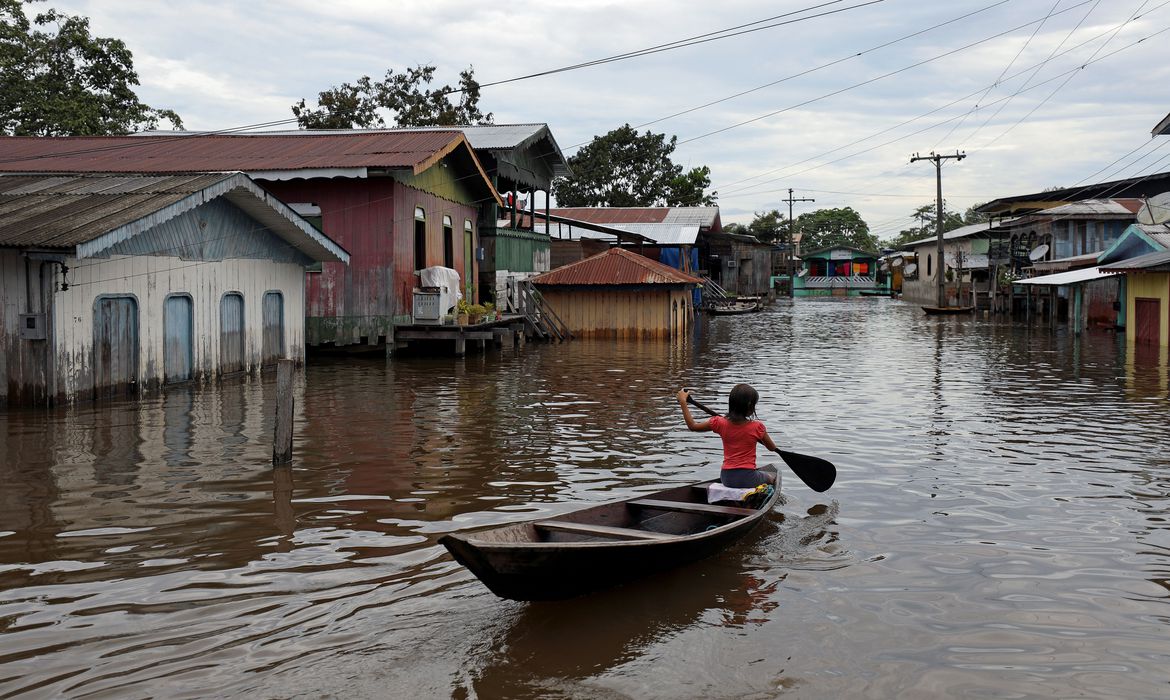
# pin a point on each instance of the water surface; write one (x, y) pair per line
(998, 528)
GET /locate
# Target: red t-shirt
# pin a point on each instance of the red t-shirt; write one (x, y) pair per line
(739, 441)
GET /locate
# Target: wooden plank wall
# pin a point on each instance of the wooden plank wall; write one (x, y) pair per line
(643, 312)
(150, 280)
(24, 364)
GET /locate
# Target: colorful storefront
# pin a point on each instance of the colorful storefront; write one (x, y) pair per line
(836, 271)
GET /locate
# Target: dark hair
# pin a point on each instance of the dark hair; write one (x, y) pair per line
(741, 403)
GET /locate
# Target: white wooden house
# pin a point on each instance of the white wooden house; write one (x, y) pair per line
(115, 284)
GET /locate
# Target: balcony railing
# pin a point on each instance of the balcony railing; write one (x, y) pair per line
(850, 282)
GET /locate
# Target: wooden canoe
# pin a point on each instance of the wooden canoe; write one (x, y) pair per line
(603, 545)
(942, 310)
(735, 307)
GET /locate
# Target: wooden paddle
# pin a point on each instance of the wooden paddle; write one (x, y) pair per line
(818, 474)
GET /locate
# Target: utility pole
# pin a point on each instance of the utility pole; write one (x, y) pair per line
(940, 266)
(791, 244)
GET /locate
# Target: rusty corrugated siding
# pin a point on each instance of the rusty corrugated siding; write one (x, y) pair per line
(221, 152)
(615, 266)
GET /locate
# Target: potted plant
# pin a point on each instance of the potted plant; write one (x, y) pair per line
(475, 313)
(490, 311)
(461, 312)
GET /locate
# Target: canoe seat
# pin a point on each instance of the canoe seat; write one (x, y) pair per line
(624, 533)
(702, 508)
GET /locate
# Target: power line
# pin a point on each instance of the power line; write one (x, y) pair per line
(681, 43)
(814, 69)
(869, 81)
(928, 128)
(1029, 79)
(1002, 73)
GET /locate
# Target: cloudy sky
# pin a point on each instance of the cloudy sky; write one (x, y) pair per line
(1038, 93)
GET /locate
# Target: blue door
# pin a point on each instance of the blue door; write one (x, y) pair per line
(177, 335)
(231, 333)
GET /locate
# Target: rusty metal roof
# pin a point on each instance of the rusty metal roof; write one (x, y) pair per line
(186, 152)
(91, 212)
(616, 266)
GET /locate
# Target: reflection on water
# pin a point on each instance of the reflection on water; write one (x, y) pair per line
(999, 524)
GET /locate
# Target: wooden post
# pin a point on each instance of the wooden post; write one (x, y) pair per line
(282, 434)
(286, 520)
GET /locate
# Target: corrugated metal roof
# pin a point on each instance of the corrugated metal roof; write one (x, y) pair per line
(659, 234)
(67, 212)
(1162, 127)
(961, 232)
(615, 266)
(1159, 232)
(1094, 207)
(489, 137)
(700, 216)
(194, 152)
(1085, 274)
(1141, 262)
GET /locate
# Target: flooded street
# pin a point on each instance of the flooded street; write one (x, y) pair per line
(1000, 525)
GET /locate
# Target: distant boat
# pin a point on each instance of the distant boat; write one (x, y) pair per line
(735, 307)
(940, 310)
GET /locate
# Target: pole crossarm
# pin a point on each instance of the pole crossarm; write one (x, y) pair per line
(939, 271)
(791, 246)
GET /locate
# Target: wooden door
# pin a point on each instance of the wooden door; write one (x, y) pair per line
(1147, 321)
(272, 348)
(231, 333)
(178, 353)
(115, 346)
(468, 266)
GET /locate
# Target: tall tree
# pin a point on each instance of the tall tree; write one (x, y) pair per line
(843, 226)
(927, 217)
(767, 226)
(689, 189)
(406, 96)
(626, 169)
(57, 79)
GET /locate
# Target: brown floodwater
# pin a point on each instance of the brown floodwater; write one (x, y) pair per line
(999, 527)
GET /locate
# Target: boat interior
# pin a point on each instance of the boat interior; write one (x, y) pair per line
(662, 515)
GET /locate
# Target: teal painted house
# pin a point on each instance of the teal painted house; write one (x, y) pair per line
(836, 271)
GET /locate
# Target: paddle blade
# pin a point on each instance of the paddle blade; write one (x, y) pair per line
(818, 474)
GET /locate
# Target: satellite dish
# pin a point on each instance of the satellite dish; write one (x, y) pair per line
(884, 267)
(911, 268)
(1038, 252)
(802, 273)
(1155, 210)
(898, 261)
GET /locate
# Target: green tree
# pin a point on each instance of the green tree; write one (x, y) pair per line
(57, 79)
(767, 226)
(626, 169)
(404, 95)
(842, 226)
(689, 189)
(927, 217)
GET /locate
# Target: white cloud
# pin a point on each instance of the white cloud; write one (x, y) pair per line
(222, 64)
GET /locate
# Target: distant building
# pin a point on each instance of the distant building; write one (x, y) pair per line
(119, 284)
(836, 271)
(620, 294)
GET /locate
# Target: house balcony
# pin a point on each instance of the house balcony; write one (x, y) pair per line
(839, 282)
